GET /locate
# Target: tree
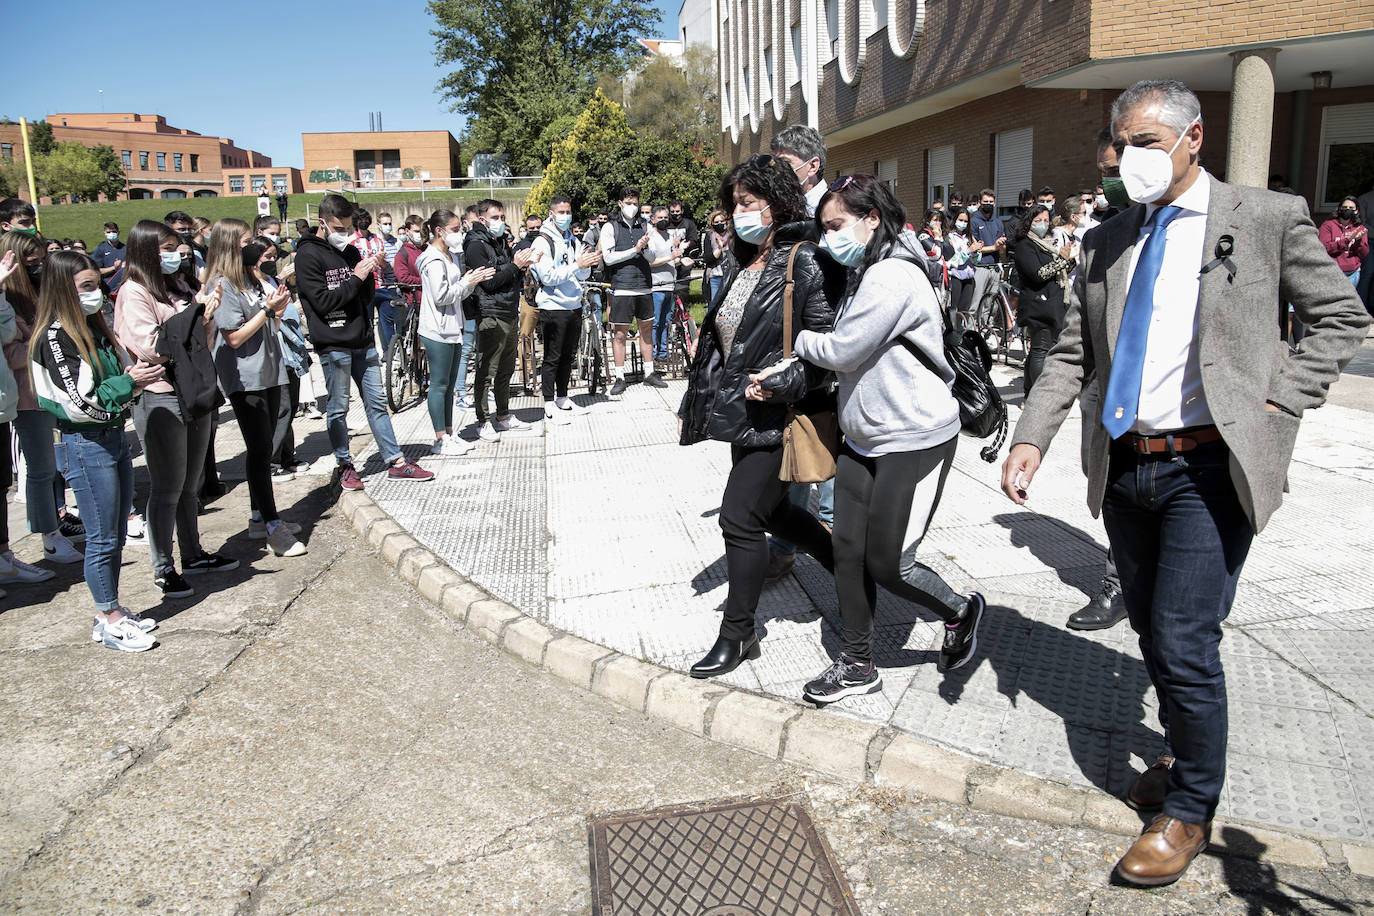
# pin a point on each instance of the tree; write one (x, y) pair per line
(522, 68)
(74, 170)
(674, 99)
(601, 154)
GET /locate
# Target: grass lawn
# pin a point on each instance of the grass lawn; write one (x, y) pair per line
(87, 221)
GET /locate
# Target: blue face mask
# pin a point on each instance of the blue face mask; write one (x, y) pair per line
(749, 226)
(496, 227)
(562, 221)
(844, 247)
(171, 261)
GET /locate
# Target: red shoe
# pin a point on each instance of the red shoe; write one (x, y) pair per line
(408, 470)
(349, 478)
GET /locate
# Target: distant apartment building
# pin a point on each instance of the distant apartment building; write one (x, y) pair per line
(161, 161)
(398, 159)
(935, 96)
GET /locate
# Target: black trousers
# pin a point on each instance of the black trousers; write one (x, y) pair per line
(256, 412)
(1042, 338)
(561, 329)
(755, 505)
(284, 434)
(883, 506)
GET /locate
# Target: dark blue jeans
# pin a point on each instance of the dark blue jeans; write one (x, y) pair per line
(1179, 538)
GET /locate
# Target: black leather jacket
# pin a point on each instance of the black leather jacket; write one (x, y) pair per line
(714, 406)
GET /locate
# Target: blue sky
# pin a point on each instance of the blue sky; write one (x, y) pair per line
(234, 71)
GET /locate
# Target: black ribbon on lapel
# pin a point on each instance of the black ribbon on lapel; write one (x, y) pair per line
(1226, 246)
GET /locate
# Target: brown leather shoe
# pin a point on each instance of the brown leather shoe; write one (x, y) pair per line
(1148, 791)
(1163, 852)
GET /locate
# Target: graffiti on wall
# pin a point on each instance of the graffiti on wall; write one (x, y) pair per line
(329, 176)
(367, 178)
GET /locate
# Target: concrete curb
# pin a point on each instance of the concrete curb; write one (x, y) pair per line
(818, 740)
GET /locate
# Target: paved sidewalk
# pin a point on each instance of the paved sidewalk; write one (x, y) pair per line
(608, 529)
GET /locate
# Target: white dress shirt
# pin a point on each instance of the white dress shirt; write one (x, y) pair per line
(813, 197)
(1171, 394)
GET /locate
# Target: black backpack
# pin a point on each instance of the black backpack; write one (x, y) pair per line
(190, 365)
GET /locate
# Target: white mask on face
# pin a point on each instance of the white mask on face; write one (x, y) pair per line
(91, 301)
(1147, 173)
(454, 240)
(338, 239)
(630, 211)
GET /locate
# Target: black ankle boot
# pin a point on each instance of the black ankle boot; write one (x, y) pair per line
(726, 655)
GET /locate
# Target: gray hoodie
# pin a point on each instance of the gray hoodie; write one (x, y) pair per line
(890, 401)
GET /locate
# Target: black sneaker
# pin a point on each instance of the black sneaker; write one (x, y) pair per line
(961, 636)
(654, 380)
(281, 473)
(618, 388)
(845, 678)
(173, 586)
(71, 528)
(209, 562)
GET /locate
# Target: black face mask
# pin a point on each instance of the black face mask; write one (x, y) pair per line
(268, 268)
(35, 272)
(1345, 213)
(185, 237)
(675, 218)
(719, 227)
(661, 225)
(986, 209)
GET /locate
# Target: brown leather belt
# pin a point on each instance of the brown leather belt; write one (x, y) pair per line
(1184, 441)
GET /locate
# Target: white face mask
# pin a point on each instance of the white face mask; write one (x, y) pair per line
(1100, 201)
(338, 239)
(419, 238)
(454, 240)
(386, 229)
(1147, 173)
(112, 236)
(630, 211)
(92, 301)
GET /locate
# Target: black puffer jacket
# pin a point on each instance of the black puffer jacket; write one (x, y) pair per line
(1042, 298)
(714, 406)
(498, 297)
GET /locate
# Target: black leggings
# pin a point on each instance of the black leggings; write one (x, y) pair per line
(756, 502)
(883, 506)
(256, 412)
(1042, 338)
(561, 330)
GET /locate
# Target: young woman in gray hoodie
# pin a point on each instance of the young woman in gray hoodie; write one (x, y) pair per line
(900, 424)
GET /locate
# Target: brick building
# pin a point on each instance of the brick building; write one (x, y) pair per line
(401, 159)
(1011, 94)
(161, 161)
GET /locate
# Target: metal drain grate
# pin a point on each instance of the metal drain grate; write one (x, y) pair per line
(746, 858)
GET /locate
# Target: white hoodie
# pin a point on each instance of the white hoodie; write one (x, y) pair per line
(442, 292)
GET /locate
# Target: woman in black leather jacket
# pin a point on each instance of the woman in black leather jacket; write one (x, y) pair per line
(1044, 268)
(742, 333)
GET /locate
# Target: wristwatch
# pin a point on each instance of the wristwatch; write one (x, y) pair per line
(268, 311)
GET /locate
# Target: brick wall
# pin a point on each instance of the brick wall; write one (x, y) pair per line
(1122, 28)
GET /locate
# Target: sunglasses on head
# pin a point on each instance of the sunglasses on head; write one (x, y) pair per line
(841, 182)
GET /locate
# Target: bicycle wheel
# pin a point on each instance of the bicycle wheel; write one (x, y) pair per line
(990, 320)
(596, 378)
(396, 373)
(420, 370)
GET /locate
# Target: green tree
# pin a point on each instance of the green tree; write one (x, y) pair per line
(521, 69)
(601, 154)
(71, 169)
(673, 99)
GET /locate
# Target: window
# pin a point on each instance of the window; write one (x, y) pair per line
(173, 194)
(939, 174)
(236, 184)
(887, 173)
(258, 183)
(279, 184)
(162, 162)
(1012, 166)
(1345, 161)
(204, 193)
(176, 162)
(143, 160)
(195, 162)
(7, 151)
(126, 157)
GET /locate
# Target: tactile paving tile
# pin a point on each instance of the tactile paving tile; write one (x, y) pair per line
(763, 858)
(1084, 683)
(964, 725)
(1073, 753)
(742, 677)
(1037, 545)
(1361, 620)
(1337, 651)
(1325, 593)
(1306, 736)
(1272, 681)
(1292, 795)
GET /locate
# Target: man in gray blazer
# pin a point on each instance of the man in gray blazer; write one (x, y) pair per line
(1175, 316)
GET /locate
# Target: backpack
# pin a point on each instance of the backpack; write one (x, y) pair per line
(530, 289)
(190, 365)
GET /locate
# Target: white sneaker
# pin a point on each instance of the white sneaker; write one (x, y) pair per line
(146, 624)
(489, 432)
(137, 528)
(126, 636)
(556, 416)
(257, 530)
(14, 571)
(511, 424)
(569, 406)
(284, 543)
(57, 549)
(452, 446)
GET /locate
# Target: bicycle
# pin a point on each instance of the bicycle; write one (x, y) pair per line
(682, 338)
(590, 366)
(405, 366)
(993, 317)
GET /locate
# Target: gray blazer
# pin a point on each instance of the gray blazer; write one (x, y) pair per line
(1245, 362)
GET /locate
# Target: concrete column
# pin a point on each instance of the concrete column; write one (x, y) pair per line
(1252, 116)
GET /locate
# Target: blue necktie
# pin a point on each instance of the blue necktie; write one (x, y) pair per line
(1128, 362)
